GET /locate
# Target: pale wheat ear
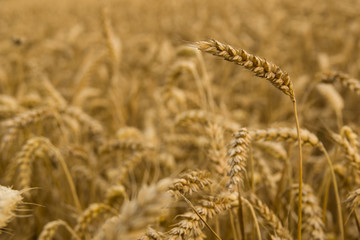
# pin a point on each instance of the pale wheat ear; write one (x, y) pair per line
(334, 99)
(150, 204)
(9, 199)
(263, 69)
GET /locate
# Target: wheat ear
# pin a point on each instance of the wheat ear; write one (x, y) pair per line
(23, 121)
(26, 158)
(351, 83)
(190, 227)
(238, 154)
(189, 183)
(334, 99)
(216, 151)
(152, 234)
(264, 69)
(261, 67)
(9, 199)
(307, 138)
(351, 137)
(353, 200)
(136, 214)
(313, 225)
(50, 229)
(271, 220)
(91, 213)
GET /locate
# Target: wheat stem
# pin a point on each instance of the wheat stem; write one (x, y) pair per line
(241, 214)
(253, 214)
(300, 170)
(336, 191)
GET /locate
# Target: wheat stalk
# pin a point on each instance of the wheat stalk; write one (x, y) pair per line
(263, 69)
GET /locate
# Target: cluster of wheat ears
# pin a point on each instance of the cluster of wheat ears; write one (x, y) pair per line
(106, 137)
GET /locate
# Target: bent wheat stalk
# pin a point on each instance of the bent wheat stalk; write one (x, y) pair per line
(50, 229)
(264, 69)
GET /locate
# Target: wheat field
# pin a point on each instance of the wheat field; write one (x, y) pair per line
(201, 119)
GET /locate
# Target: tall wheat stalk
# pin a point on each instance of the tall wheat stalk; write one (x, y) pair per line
(264, 69)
